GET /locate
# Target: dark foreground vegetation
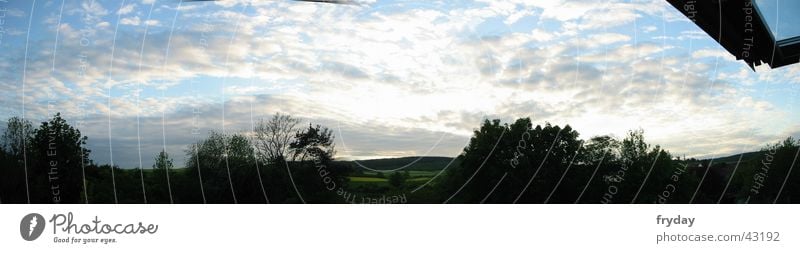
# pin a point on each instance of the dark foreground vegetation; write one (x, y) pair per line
(283, 162)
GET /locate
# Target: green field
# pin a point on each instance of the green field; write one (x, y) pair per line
(371, 179)
(368, 179)
(412, 173)
(407, 163)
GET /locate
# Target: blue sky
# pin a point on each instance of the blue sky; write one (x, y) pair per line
(781, 17)
(392, 78)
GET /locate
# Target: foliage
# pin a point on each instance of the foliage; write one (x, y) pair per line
(273, 137)
(56, 157)
(503, 163)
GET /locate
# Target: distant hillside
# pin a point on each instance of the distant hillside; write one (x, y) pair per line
(733, 159)
(723, 167)
(435, 163)
(415, 163)
(744, 156)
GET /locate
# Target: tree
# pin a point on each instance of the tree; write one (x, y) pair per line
(487, 156)
(163, 161)
(17, 135)
(527, 159)
(633, 147)
(314, 172)
(642, 173)
(58, 158)
(397, 179)
(315, 142)
(598, 148)
(273, 137)
(159, 188)
(226, 165)
(16, 138)
(786, 168)
(767, 180)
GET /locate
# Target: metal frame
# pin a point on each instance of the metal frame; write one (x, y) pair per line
(738, 26)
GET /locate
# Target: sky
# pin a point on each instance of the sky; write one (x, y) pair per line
(781, 17)
(391, 78)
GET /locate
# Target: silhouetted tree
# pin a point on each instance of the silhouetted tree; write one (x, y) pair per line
(768, 179)
(15, 139)
(273, 137)
(313, 143)
(398, 180)
(598, 148)
(315, 174)
(216, 161)
(158, 186)
(511, 163)
(57, 156)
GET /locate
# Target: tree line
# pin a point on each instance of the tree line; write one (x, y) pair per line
(280, 161)
(50, 164)
(520, 163)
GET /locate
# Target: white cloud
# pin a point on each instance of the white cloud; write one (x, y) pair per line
(14, 12)
(126, 9)
(712, 53)
(517, 15)
(607, 38)
(410, 74)
(152, 22)
(103, 25)
(134, 21)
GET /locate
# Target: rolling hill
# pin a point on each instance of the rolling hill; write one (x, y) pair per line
(412, 163)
